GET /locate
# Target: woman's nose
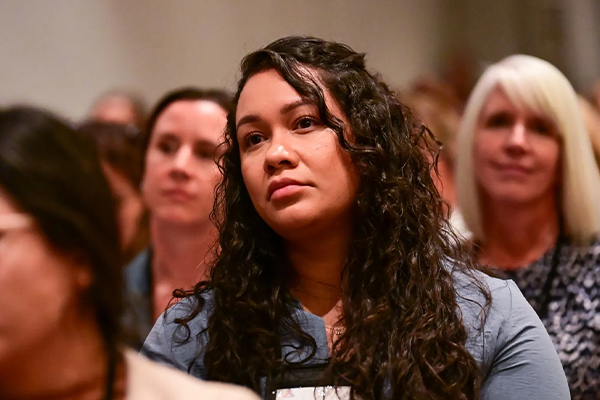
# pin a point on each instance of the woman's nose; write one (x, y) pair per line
(280, 154)
(182, 162)
(517, 138)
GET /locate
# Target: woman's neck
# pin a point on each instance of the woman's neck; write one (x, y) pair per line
(515, 236)
(181, 256)
(317, 265)
(72, 364)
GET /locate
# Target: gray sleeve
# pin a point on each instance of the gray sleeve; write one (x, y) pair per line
(525, 364)
(157, 346)
(172, 344)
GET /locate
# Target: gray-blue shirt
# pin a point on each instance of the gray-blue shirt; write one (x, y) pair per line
(515, 355)
(137, 319)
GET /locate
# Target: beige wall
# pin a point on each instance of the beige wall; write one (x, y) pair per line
(62, 53)
(582, 33)
(564, 32)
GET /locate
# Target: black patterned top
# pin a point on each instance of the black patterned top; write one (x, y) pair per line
(572, 315)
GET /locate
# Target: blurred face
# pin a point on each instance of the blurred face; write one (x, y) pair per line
(38, 286)
(516, 153)
(180, 172)
(129, 202)
(297, 175)
(115, 109)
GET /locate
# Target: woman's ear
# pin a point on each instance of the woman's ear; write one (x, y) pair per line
(82, 273)
(83, 277)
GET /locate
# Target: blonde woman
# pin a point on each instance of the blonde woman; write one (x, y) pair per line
(528, 187)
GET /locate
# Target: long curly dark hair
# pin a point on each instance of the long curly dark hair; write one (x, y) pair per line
(402, 329)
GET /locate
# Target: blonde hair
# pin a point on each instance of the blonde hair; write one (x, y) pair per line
(591, 118)
(538, 86)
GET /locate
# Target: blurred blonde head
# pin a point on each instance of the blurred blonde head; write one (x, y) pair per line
(542, 89)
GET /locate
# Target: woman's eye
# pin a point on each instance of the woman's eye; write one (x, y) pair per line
(305, 123)
(253, 139)
(205, 154)
(167, 147)
(540, 127)
(498, 121)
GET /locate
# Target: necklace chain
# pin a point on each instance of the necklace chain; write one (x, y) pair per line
(335, 330)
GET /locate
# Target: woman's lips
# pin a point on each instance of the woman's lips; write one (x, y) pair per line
(283, 187)
(513, 169)
(178, 195)
(286, 191)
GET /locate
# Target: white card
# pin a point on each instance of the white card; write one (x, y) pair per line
(314, 393)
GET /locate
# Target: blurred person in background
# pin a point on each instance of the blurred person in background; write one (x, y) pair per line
(122, 164)
(180, 174)
(529, 189)
(433, 102)
(120, 107)
(459, 72)
(61, 278)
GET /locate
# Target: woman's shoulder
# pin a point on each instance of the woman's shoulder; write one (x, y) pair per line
(500, 301)
(189, 306)
(490, 309)
(485, 298)
(151, 381)
(507, 339)
(175, 338)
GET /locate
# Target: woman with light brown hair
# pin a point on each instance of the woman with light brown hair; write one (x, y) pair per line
(179, 177)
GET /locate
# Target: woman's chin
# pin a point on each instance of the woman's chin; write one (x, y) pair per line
(179, 217)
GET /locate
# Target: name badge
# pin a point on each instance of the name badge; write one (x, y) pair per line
(314, 393)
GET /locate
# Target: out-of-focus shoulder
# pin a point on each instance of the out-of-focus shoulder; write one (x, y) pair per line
(148, 380)
(181, 344)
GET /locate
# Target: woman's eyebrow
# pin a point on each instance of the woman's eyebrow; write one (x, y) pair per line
(293, 105)
(287, 108)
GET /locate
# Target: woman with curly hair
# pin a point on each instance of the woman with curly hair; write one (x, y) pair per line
(336, 271)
